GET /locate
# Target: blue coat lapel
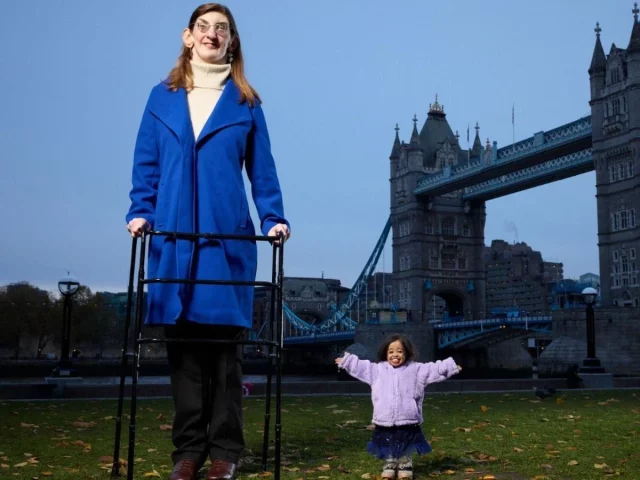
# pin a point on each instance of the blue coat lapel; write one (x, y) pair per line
(172, 109)
(228, 111)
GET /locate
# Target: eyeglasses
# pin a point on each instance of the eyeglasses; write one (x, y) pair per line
(221, 29)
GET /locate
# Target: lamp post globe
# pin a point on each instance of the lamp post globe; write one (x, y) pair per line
(589, 295)
(68, 285)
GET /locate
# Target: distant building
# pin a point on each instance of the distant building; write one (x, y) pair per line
(590, 279)
(517, 279)
(567, 294)
(552, 272)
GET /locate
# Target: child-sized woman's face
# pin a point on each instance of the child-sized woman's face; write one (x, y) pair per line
(395, 353)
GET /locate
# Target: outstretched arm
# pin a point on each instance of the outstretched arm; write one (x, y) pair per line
(438, 371)
(363, 370)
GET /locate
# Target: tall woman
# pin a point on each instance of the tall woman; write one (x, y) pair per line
(200, 127)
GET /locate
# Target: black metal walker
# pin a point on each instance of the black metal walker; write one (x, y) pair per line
(273, 345)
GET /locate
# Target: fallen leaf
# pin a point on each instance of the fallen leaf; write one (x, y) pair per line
(518, 450)
(83, 424)
(166, 427)
(153, 473)
(484, 408)
(573, 463)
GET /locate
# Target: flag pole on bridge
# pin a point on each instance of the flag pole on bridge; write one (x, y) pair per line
(513, 123)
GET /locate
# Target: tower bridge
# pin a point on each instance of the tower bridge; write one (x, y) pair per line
(438, 192)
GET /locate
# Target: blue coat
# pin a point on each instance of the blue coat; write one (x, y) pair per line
(185, 184)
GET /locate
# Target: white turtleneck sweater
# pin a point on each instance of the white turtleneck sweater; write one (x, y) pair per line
(208, 82)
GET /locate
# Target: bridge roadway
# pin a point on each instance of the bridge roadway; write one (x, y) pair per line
(448, 333)
(542, 147)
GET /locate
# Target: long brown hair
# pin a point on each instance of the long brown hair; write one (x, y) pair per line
(181, 76)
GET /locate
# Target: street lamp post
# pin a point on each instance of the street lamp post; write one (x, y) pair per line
(591, 364)
(68, 287)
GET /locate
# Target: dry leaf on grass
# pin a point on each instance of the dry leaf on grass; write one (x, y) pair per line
(83, 424)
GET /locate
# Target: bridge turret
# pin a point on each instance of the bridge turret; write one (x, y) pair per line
(395, 150)
(415, 152)
(597, 70)
(476, 151)
(633, 50)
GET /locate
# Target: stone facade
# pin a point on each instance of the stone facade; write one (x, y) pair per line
(438, 243)
(615, 107)
(617, 341)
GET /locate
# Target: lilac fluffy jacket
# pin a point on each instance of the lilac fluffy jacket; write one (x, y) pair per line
(397, 393)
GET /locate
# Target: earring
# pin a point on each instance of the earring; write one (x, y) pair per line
(230, 57)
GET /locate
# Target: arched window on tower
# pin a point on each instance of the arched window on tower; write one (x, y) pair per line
(448, 226)
(615, 75)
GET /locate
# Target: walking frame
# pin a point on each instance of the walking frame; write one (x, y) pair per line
(273, 345)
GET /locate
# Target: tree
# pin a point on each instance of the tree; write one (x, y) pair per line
(25, 310)
(94, 320)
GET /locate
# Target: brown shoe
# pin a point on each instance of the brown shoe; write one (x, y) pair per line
(222, 470)
(184, 470)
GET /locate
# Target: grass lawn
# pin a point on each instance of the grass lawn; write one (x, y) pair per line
(581, 436)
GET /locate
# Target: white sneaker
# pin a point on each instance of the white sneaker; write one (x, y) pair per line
(389, 469)
(405, 468)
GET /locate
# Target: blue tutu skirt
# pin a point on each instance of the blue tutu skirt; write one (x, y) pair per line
(395, 442)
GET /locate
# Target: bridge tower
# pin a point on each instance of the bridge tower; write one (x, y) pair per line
(615, 113)
(438, 245)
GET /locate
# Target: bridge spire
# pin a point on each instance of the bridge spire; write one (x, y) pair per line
(599, 59)
(395, 151)
(415, 137)
(634, 42)
(436, 108)
(476, 151)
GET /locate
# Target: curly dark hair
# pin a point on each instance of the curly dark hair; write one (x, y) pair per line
(410, 351)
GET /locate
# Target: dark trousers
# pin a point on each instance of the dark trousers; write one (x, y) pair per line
(206, 384)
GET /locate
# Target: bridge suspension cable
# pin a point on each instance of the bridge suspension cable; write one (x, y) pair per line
(340, 314)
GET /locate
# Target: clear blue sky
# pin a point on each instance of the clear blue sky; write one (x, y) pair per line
(335, 77)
